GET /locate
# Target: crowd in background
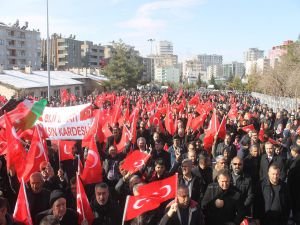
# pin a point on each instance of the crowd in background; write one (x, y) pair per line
(249, 173)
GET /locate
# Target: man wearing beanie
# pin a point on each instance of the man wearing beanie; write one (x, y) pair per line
(59, 209)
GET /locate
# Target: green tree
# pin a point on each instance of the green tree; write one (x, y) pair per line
(212, 80)
(124, 68)
(236, 84)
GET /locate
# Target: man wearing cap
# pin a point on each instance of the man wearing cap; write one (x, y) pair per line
(59, 209)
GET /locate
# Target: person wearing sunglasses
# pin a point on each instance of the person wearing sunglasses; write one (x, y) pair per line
(242, 182)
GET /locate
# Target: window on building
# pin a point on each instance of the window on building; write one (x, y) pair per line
(44, 94)
(56, 93)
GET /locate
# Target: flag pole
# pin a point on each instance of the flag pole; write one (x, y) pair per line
(125, 209)
(82, 210)
(27, 206)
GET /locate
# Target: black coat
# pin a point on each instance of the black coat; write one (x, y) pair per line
(70, 218)
(37, 202)
(196, 187)
(206, 174)
(232, 211)
(294, 193)
(264, 166)
(251, 167)
(194, 214)
(108, 214)
(265, 201)
(245, 187)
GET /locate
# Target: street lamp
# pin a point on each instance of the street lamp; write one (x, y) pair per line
(48, 54)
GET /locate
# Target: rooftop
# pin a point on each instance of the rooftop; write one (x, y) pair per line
(20, 80)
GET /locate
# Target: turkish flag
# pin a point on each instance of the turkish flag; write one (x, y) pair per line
(137, 205)
(86, 113)
(22, 212)
(65, 150)
(162, 189)
(36, 155)
(95, 129)
(125, 139)
(3, 142)
(274, 142)
(233, 112)
(16, 154)
(211, 132)
(245, 222)
(169, 122)
(261, 133)
(133, 125)
(92, 171)
(194, 100)
(135, 161)
(248, 128)
(83, 206)
(198, 121)
(64, 96)
(222, 128)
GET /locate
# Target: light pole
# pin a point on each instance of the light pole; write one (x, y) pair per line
(151, 41)
(48, 54)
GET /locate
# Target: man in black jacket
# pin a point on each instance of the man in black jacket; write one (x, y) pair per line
(222, 203)
(183, 211)
(57, 202)
(272, 203)
(268, 159)
(243, 183)
(106, 211)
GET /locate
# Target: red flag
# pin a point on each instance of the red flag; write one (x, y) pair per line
(194, 100)
(95, 129)
(133, 126)
(36, 155)
(222, 128)
(261, 133)
(65, 150)
(233, 112)
(137, 205)
(135, 161)
(92, 171)
(21, 212)
(274, 142)
(245, 222)
(198, 121)
(162, 189)
(16, 154)
(83, 206)
(169, 122)
(211, 132)
(64, 96)
(248, 128)
(126, 135)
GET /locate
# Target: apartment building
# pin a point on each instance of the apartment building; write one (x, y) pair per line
(19, 47)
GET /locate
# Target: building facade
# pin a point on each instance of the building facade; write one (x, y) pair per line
(167, 74)
(91, 54)
(209, 60)
(253, 54)
(277, 52)
(19, 47)
(164, 48)
(214, 70)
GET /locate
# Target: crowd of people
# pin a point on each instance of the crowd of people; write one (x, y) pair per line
(249, 173)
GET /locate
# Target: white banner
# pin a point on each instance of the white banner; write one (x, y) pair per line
(67, 123)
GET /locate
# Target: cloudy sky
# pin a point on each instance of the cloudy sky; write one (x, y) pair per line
(226, 27)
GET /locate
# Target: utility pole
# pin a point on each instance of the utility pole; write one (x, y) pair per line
(151, 40)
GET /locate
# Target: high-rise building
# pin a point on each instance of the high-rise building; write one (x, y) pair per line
(209, 60)
(91, 54)
(262, 65)
(214, 70)
(191, 68)
(167, 74)
(19, 47)
(68, 53)
(165, 48)
(253, 54)
(277, 52)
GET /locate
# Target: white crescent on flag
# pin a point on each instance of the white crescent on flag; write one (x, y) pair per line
(168, 191)
(40, 147)
(95, 157)
(138, 205)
